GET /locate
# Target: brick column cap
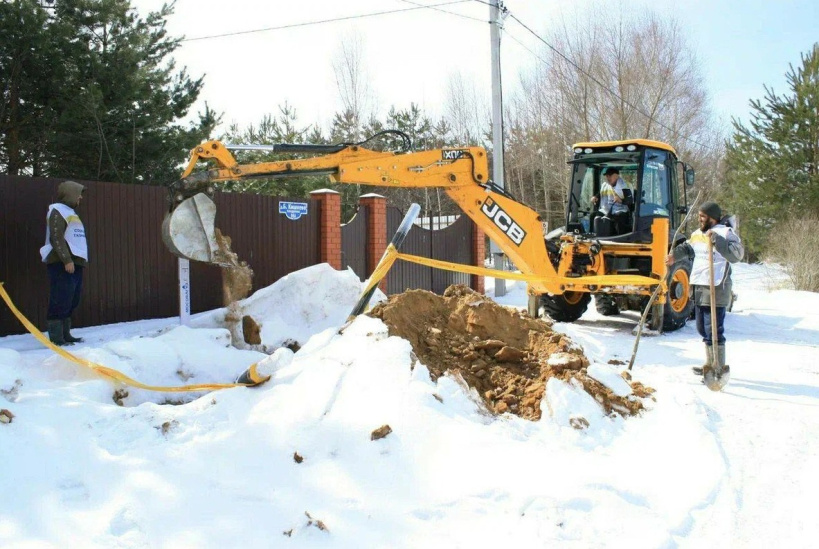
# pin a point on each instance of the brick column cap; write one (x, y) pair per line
(371, 195)
(324, 191)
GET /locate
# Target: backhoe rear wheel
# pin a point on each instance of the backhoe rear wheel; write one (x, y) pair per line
(567, 307)
(606, 305)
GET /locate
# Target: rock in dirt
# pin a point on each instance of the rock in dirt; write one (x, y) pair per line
(504, 354)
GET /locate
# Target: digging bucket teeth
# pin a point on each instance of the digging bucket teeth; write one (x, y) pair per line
(189, 231)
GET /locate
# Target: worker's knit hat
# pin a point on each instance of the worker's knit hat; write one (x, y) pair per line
(712, 210)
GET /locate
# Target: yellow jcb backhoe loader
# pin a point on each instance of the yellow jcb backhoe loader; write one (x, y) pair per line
(565, 267)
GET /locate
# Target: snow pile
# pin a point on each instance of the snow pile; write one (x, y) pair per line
(295, 462)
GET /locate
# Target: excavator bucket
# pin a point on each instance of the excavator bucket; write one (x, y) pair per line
(188, 230)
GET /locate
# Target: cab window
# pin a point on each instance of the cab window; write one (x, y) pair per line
(655, 196)
(580, 203)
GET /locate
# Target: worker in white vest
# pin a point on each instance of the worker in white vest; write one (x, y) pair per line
(65, 254)
(727, 249)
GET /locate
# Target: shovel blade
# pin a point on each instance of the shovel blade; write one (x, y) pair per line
(188, 230)
(716, 381)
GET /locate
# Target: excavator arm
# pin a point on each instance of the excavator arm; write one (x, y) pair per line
(463, 173)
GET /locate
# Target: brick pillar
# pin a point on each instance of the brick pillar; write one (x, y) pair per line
(330, 226)
(376, 231)
(478, 255)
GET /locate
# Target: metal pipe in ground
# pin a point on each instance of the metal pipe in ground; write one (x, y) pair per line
(397, 239)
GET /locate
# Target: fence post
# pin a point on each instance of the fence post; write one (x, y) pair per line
(477, 282)
(330, 226)
(376, 206)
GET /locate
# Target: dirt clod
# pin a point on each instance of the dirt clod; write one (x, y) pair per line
(119, 396)
(297, 458)
(504, 354)
(6, 416)
(251, 331)
(316, 522)
(167, 427)
(381, 432)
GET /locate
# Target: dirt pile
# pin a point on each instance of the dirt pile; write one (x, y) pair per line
(506, 355)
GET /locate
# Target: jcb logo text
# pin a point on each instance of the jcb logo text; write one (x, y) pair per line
(504, 222)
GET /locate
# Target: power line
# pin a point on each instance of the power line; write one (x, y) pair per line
(525, 47)
(418, 6)
(599, 83)
(322, 21)
(445, 11)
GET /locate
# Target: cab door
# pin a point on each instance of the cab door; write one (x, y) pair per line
(656, 197)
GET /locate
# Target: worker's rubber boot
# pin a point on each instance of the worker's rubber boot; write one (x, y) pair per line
(709, 360)
(717, 379)
(67, 332)
(55, 332)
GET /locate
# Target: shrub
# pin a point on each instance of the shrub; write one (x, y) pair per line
(794, 243)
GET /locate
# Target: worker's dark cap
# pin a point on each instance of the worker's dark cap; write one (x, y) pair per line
(712, 210)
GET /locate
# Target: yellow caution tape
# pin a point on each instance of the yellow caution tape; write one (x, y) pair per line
(391, 254)
(113, 374)
(389, 257)
(607, 280)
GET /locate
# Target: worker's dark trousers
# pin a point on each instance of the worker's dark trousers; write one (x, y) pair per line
(65, 290)
(703, 316)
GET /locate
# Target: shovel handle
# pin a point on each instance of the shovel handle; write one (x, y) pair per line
(713, 295)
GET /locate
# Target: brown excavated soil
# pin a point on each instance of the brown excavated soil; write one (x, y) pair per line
(506, 355)
(237, 281)
(237, 276)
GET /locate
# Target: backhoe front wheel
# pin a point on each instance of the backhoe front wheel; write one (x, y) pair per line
(678, 303)
(567, 307)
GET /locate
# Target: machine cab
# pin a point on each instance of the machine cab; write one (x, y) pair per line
(648, 170)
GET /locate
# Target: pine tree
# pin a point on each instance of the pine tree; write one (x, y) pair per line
(98, 95)
(772, 165)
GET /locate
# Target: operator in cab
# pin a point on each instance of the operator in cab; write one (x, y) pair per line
(614, 199)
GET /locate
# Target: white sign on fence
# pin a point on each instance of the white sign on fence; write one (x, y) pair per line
(184, 292)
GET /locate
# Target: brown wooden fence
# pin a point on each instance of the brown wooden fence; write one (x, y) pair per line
(131, 275)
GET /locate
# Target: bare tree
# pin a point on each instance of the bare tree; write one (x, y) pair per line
(466, 111)
(353, 83)
(609, 77)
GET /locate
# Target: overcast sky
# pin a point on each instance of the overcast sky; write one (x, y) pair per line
(409, 55)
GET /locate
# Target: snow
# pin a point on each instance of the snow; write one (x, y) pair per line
(697, 469)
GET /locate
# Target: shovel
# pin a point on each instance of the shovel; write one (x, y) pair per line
(716, 375)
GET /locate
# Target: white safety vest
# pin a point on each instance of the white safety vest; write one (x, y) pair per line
(74, 233)
(607, 202)
(700, 274)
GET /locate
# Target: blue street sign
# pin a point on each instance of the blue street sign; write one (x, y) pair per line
(293, 210)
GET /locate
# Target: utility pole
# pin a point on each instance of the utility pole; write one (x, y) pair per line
(495, 22)
(495, 8)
